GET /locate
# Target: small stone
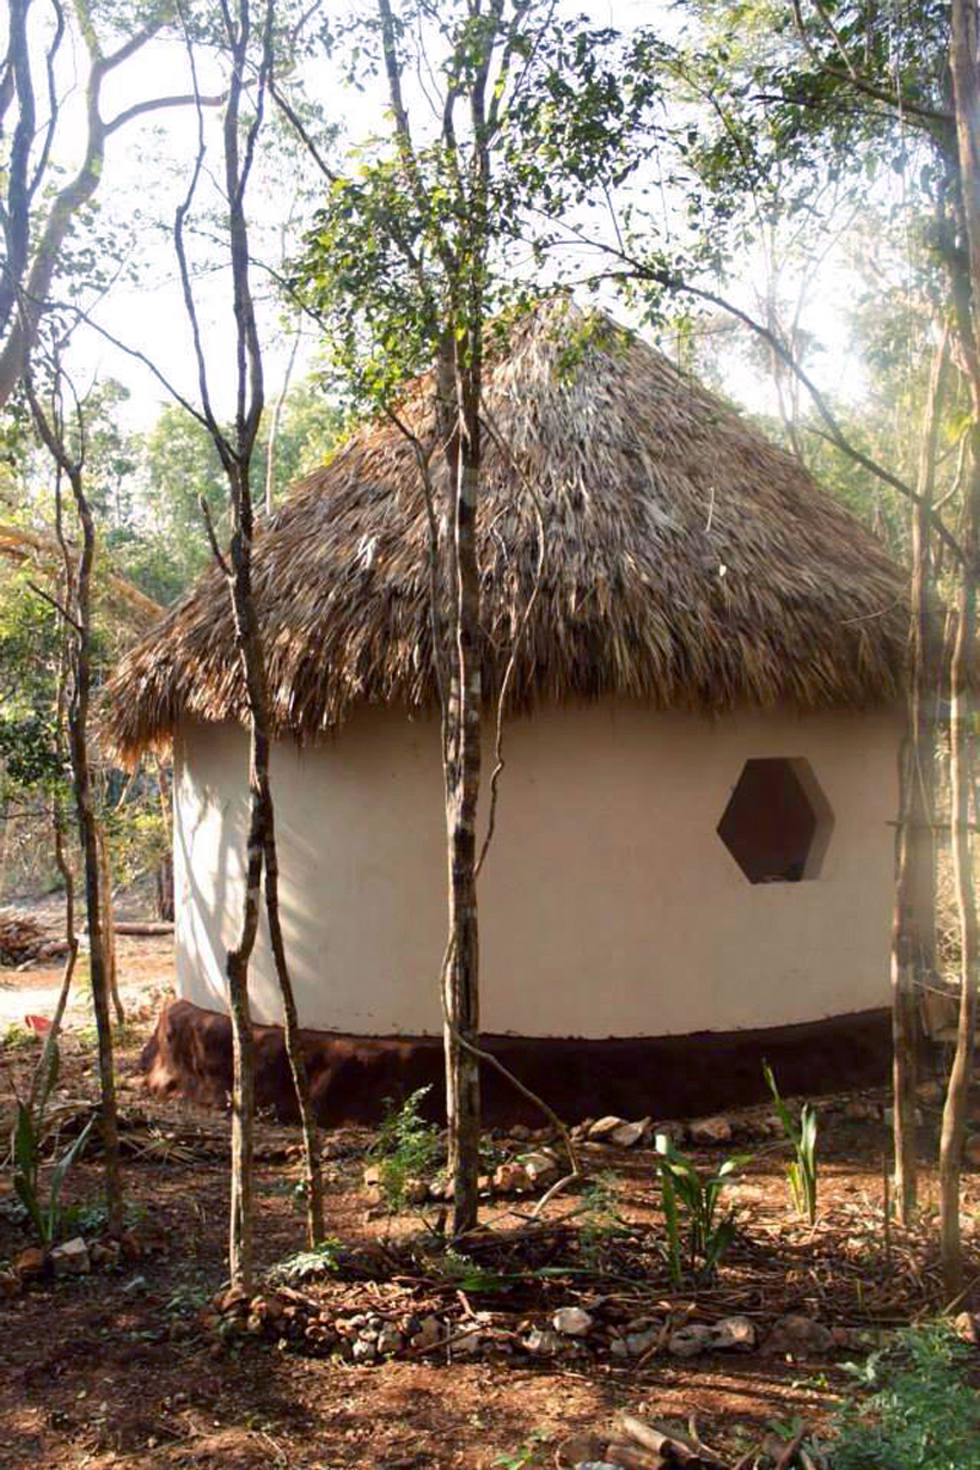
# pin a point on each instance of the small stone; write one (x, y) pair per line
(390, 1339)
(618, 1347)
(799, 1337)
(469, 1343)
(430, 1332)
(689, 1341)
(364, 1350)
(711, 1130)
(733, 1334)
(230, 1300)
(512, 1178)
(675, 1133)
(638, 1343)
(541, 1167)
(605, 1128)
(542, 1342)
(31, 1263)
(72, 1258)
(967, 1326)
(628, 1135)
(572, 1322)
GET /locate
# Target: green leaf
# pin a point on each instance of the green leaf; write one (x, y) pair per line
(59, 1172)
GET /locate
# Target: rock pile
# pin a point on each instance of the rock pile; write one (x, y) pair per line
(404, 1328)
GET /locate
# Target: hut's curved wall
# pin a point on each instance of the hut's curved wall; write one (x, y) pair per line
(610, 907)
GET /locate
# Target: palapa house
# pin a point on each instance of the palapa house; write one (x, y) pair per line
(693, 858)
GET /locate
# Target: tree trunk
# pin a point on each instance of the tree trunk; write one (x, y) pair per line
(240, 1254)
(461, 979)
(297, 1063)
(914, 928)
(88, 833)
(109, 927)
(903, 1010)
(165, 867)
(966, 95)
(44, 1074)
(955, 1110)
(261, 850)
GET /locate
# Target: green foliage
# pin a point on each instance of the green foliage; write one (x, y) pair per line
(92, 1218)
(802, 1172)
(323, 1260)
(923, 1411)
(406, 1148)
(16, 1037)
(526, 1454)
(27, 1143)
(598, 1213)
(690, 1201)
(29, 753)
(419, 243)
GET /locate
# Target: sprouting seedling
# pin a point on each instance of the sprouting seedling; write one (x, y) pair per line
(690, 1199)
(801, 1173)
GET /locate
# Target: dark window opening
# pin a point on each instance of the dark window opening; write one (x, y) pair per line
(777, 823)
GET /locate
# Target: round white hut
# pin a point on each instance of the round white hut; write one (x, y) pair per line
(693, 858)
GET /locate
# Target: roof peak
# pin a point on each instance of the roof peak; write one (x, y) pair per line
(687, 561)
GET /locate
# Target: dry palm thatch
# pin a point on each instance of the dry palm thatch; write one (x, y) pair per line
(687, 561)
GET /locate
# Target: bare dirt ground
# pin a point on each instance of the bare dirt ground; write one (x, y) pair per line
(119, 1368)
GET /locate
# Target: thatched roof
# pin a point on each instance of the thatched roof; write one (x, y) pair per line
(688, 562)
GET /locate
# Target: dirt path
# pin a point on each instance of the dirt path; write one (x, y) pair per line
(145, 977)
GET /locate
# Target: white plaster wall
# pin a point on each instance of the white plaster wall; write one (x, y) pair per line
(609, 906)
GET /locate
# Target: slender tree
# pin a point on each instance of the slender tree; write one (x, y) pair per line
(67, 451)
(243, 44)
(406, 265)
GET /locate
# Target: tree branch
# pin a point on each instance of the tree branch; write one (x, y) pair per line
(158, 104)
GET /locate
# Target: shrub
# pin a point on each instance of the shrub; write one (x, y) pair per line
(406, 1148)
(923, 1412)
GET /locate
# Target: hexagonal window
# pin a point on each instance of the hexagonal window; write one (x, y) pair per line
(777, 823)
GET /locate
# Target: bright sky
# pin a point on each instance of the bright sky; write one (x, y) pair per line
(145, 176)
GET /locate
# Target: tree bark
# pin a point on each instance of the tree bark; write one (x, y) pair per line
(78, 742)
(462, 982)
(966, 96)
(914, 925)
(109, 927)
(79, 582)
(43, 1079)
(297, 1062)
